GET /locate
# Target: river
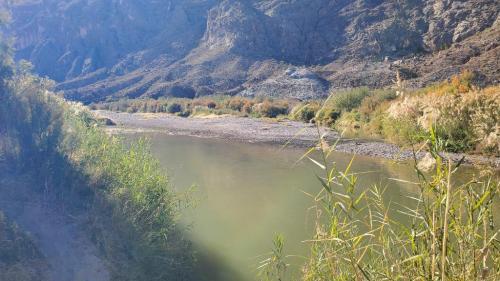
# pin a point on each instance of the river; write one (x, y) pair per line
(247, 193)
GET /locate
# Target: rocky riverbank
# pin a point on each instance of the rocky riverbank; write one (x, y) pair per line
(282, 132)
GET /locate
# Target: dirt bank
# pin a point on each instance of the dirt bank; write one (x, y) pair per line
(253, 130)
(59, 236)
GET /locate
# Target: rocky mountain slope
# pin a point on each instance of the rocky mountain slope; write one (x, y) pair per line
(104, 49)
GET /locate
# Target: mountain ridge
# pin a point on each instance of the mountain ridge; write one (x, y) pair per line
(99, 50)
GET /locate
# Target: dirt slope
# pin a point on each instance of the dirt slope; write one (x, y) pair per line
(70, 254)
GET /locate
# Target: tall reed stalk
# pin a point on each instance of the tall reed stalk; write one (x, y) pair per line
(447, 232)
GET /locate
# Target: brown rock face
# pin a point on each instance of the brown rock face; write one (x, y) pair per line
(104, 49)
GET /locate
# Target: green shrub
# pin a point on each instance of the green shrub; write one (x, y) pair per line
(211, 105)
(374, 100)
(403, 131)
(305, 112)
(348, 100)
(133, 207)
(328, 116)
(174, 108)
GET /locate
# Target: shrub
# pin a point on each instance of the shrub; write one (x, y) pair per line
(305, 112)
(236, 103)
(403, 131)
(465, 121)
(132, 206)
(348, 100)
(185, 113)
(174, 108)
(374, 100)
(271, 109)
(247, 107)
(458, 84)
(211, 105)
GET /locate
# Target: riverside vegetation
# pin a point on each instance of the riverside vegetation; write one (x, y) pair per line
(466, 117)
(450, 231)
(133, 210)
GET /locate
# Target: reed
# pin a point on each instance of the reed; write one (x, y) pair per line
(449, 232)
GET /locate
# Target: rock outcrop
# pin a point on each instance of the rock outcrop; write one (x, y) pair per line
(109, 49)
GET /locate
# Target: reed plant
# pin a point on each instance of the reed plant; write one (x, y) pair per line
(448, 232)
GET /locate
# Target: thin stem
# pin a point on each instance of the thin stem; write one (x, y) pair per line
(445, 227)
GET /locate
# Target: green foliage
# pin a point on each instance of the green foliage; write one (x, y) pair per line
(403, 131)
(370, 104)
(449, 232)
(305, 112)
(135, 209)
(274, 267)
(174, 108)
(348, 100)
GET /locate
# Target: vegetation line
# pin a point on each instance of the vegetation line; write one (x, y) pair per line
(466, 116)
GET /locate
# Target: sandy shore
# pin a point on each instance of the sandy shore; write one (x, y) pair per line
(286, 132)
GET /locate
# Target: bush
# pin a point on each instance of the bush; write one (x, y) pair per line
(185, 113)
(271, 109)
(305, 112)
(132, 206)
(374, 100)
(236, 103)
(402, 131)
(211, 105)
(458, 84)
(465, 121)
(247, 107)
(348, 100)
(174, 108)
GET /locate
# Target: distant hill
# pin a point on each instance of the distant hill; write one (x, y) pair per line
(102, 49)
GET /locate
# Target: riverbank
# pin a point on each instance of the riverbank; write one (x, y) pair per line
(58, 233)
(266, 131)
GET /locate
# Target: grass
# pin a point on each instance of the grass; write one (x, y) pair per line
(133, 208)
(449, 232)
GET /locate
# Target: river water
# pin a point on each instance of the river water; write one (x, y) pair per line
(247, 193)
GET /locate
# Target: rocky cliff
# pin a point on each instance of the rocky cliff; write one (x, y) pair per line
(104, 49)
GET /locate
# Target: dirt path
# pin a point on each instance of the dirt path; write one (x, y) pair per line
(69, 252)
(265, 131)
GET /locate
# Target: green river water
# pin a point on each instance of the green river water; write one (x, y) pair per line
(247, 193)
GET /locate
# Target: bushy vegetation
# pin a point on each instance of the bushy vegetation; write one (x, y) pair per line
(466, 116)
(448, 232)
(174, 108)
(134, 208)
(217, 105)
(305, 112)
